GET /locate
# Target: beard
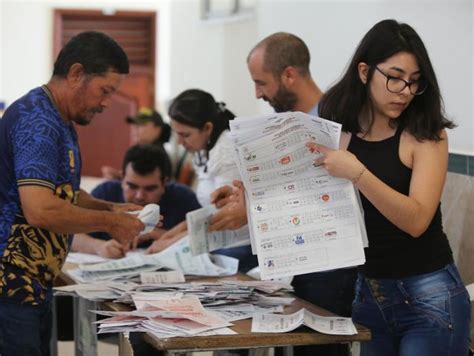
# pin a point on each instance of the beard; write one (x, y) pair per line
(83, 120)
(84, 116)
(284, 100)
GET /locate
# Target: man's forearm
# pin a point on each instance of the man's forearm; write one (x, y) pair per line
(87, 201)
(67, 218)
(45, 210)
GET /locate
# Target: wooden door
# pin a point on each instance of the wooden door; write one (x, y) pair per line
(106, 139)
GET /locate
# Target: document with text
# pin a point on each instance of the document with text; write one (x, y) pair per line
(203, 241)
(280, 323)
(301, 218)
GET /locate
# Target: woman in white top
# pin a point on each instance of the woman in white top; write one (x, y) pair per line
(202, 128)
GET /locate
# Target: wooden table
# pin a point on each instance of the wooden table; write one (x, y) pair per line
(86, 338)
(245, 339)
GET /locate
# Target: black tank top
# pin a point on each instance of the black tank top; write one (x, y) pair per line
(393, 253)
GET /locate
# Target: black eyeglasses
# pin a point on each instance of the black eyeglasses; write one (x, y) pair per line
(397, 85)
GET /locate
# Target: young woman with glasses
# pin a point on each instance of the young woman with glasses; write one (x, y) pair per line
(395, 151)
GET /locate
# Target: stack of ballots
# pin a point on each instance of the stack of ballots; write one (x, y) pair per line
(176, 257)
(301, 219)
(203, 308)
(185, 309)
(163, 284)
(165, 315)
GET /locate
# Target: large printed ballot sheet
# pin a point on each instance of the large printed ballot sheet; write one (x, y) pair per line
(301, 219)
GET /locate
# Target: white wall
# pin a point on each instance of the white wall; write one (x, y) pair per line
(25, 53)
(211, 56)
(240, 38)
(332, 30)
(189, 52)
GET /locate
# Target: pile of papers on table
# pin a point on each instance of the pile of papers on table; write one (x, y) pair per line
(176, 257)
(193, 309)
(165, 317)
(167, 307)
(185, 316)
(211, 294)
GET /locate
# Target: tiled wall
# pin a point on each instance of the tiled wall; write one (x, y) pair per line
(457, 205)
(462, 164)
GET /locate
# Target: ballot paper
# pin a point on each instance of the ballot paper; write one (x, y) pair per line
(203, 241)
(186, 309)
(234, 313)
(213, 332)
(176, 257)
(178, 316)
(162, 277)
(187, 314)
(128, 262)
(301, 218)
(81, 276)
(96, 291)
(81, 258)
(188, 306)
(280, 323)
(84, 258)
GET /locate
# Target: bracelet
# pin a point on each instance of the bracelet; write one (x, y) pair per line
(356, 179)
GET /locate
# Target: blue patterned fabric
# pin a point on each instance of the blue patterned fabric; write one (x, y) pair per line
(37, 147)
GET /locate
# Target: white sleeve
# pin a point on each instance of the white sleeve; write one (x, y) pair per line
(221, 165)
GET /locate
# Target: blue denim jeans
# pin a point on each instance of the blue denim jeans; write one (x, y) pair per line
(423, 315)
(25, 329)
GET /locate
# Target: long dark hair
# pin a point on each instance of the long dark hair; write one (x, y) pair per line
(195, 107)
(424, 118)
(165, 134)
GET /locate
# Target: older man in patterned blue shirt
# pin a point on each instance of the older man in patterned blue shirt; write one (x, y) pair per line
(41, 203)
